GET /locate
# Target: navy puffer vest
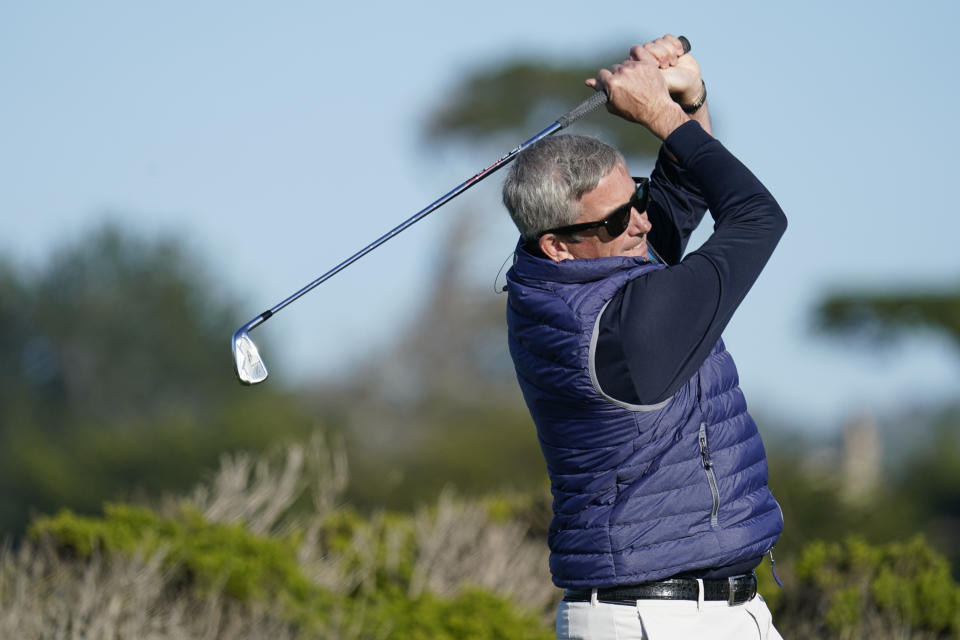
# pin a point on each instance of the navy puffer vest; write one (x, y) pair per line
(640, 492)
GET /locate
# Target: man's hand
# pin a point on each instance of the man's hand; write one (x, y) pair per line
(638, 89)
(680, 71)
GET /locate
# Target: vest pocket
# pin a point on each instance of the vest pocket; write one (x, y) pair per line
(711, 477)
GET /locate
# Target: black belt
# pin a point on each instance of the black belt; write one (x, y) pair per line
(735, 590)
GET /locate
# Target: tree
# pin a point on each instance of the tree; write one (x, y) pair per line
(880, 316)
(518, 97)
(115, 376)
(927, 481)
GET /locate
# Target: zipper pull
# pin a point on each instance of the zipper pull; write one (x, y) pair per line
(704, 449)
(773, 570)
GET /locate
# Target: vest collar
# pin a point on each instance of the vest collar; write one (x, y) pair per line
(528, 266)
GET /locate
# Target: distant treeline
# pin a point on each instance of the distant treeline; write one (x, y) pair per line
(116, 384)
(238, 558)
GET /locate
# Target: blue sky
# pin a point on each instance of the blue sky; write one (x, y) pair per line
(278, 139)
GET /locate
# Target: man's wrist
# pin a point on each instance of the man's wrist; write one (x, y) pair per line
(691, 101)
(667, 121)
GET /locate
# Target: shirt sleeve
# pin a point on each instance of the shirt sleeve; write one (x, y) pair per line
(658, 330)
(676, 208)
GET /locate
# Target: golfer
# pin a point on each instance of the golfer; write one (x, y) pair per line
(659, 476)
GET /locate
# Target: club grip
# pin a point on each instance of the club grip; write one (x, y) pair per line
(599, 98)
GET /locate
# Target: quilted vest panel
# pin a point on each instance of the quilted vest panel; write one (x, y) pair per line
(639, 492)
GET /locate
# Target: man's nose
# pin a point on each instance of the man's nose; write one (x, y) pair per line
(642, 222)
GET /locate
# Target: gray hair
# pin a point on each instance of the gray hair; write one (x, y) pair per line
(543, 188)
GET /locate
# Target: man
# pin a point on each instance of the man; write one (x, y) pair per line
(659, 476)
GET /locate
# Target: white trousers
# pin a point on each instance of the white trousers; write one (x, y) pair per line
(660, 619)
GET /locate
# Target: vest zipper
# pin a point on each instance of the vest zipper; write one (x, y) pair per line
(773, 569)
(711, 477)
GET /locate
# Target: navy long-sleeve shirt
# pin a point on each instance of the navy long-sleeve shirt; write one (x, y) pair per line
(660, 328)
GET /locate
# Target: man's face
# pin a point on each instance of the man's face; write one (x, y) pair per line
(614, 190)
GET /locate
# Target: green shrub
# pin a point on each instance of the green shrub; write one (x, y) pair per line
(473, 614)
(852, 586)
(212, 555)
(256, 568)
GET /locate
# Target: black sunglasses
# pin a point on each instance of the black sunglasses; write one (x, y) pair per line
(617, 221)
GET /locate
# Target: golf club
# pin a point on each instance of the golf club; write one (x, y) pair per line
(248, 363)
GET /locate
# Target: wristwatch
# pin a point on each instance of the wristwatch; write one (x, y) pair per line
(693, 108)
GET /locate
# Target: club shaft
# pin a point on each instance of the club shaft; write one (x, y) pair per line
(562, 122)
(420, 215)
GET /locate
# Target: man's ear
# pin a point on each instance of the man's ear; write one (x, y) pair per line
(554, 248)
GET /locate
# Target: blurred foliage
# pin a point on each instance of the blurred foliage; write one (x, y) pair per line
(250, 567)
(115, 377)
(923, 490)
(517, 98)
(814, 506)
(929, 479)
(853, 589)
(877, 317)
(849, 590)
(917, 485)
(113, 327)
(211, 554)
(441, 406)
(477, 449)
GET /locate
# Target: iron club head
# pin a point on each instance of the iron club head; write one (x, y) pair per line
(246, 357)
